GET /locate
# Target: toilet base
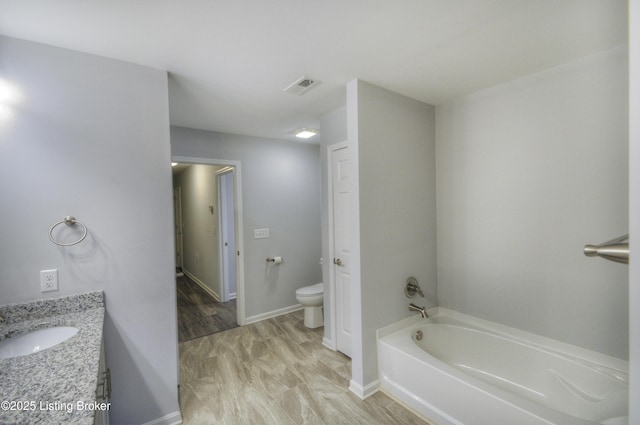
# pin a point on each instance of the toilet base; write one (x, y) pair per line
(313, 317)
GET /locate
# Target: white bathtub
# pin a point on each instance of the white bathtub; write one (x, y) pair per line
(469, 371)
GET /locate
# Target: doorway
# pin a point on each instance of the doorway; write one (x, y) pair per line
(213, 263)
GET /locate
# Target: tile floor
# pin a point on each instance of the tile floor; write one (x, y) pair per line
(275, 372)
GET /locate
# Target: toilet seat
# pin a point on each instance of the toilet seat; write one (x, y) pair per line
(309, 291)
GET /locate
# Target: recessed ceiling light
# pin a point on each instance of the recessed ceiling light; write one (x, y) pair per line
(173, 164)
(305, 133)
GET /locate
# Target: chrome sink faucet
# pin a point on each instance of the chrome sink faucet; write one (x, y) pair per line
(421, 310)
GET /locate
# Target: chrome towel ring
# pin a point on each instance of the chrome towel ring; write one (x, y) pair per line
(69, 221)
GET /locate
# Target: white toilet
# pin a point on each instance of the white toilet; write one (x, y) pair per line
(311, 297)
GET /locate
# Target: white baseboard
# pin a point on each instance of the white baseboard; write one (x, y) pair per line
(231, 297)
(366, 391)
(203, 285)
(173, 418)
(329, 344)
(274, 313)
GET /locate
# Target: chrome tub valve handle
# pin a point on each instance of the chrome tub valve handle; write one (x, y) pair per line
(411, 288)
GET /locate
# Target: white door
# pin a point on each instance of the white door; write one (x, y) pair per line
(342, 196)
(226, 206)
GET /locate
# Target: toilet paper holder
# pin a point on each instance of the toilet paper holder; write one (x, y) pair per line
(275, 260)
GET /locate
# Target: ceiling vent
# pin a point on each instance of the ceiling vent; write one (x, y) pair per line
(301, 86)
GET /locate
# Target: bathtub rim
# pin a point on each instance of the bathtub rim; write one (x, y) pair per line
(514, 334)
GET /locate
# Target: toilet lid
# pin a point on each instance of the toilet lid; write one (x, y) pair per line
(311, 290)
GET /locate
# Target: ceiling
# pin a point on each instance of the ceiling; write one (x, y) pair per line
(229, 60)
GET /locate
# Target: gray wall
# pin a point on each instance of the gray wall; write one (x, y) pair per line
(199, 190)
(89, 137)
(529, 172)
(281, 191)
(395, 139)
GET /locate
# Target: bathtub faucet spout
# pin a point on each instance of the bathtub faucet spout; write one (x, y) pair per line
(421, 310)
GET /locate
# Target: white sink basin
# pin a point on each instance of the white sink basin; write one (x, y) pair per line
(35, 341)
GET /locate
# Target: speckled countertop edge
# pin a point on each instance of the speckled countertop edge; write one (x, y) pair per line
(53, 384)
(30, 310)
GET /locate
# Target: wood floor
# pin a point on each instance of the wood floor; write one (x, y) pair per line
(199, 314)
(275, 372)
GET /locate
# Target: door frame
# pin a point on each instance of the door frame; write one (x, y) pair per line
(223, 215)
(240, 301)
(178, 227)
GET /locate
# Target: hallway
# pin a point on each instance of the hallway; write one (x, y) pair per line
(199, 314)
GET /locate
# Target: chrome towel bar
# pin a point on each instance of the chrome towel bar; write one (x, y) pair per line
(614, 250)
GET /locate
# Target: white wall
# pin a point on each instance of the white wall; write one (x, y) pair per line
(281, 191)
(200, 231)
(89, 137)
(528, 173)
(395, 140)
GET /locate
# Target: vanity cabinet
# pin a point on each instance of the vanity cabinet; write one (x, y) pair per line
(103, 391)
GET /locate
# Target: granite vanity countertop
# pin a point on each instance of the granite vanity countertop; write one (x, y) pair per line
(58, 384)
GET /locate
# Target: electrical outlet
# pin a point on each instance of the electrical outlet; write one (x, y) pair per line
(48, 280)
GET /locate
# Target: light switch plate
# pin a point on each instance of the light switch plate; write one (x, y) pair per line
(260, 233)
